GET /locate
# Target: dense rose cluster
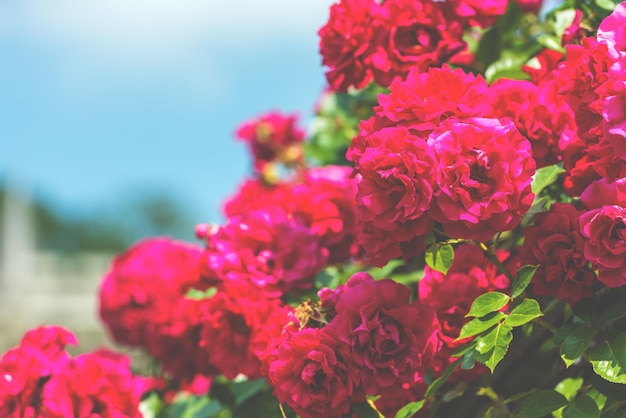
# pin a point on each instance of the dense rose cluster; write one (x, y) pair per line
(426, 156)
(39, 379)
(367, 40)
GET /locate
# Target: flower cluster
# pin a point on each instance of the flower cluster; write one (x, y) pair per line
(40, 379)
(376, 342)
(367, 40)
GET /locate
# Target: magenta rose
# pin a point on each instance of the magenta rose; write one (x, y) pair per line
(313, 377)
(484, 169)
(269, 248)
(389, 338)
(95, 385)
(555, 243)
(605, 231)
(142, 287)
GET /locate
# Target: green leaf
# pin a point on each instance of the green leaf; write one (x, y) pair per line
(487, 303)
(606, 4)
(565, 330)
(201, 294)
(468, 361)
(542, 403)
(609, 359)
(563, 19)
(494, 345)
(545, 176)
(583, 407)
(242, 391)
(478, 325)
(523, 278)
(408, 410)
(550, 42)
(194, 407)
(575, 345)
(437, 383)
(384, 272)
(439, 257)
(364, 410)
(523, 313)
(151, 406)
(568, 387)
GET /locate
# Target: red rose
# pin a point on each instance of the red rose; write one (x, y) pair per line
(484, 168)
(313, 377)
(40, 355)
(98, 384)
(529, 6)
(346, 43)
(555, 243)
(389, 339)
(144, 284)
(394, 192)
(269, 137)
(605, 231)
(268, 248)
(416, 36)
(451, 295)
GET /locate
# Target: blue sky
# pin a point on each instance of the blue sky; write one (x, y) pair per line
(100, 99)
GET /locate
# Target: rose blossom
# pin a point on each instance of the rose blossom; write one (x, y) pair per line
(312, 376)
(95, 385)
(394, 194)
(346, 43)
(142, 287)
(484, 168)
(41, 354)
(554, 243)
(451, 295)
(266, 247)
(416, 36)
(604, 227)
(389, 338)
(269, 137)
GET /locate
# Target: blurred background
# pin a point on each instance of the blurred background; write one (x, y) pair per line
(116, 123)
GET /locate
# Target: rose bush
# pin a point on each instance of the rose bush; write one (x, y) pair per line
(460, 251)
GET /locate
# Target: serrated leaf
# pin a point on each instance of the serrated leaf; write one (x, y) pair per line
(494, 345)
(439, 257)
(542, 403)
(545, 176)
(408, 410)
(242, 391)
(437, 383)
(478, 325)
(582, 407)
(522, 279)
(575, 345)
(609, 359)
(565, 330)
(523, 313)
(487, 303)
